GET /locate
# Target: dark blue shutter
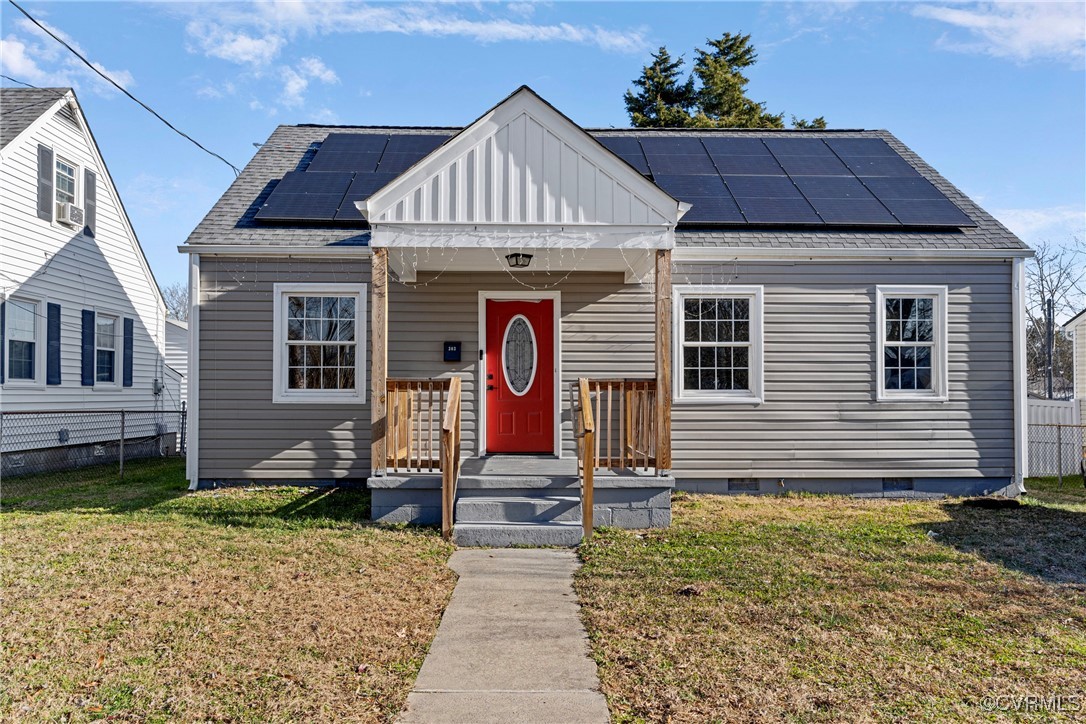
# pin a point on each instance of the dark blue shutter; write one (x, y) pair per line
(3, 342)
(127, 352)
(45, 183)
(52, 345)
(90, 201)
(87, 360)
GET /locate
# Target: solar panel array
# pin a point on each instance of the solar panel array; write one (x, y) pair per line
(729, 181)
(347, 167)
(789, 181)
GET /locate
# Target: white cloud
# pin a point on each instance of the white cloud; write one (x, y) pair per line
(1053, 223)
(216, 91)
(30, 55)
(296, 80)
(1018, 31)
(256, 33)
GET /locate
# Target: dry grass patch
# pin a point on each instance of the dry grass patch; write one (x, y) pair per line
(824, 609)
(277, 604)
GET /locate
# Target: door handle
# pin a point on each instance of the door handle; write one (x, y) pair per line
(490, 376)
(490, 388)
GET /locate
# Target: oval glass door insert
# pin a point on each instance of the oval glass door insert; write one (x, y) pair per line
(519, 355)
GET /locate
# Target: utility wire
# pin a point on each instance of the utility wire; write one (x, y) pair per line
(115, 84)
(36, 103)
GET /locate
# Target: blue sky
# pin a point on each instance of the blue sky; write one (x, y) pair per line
(993, 95)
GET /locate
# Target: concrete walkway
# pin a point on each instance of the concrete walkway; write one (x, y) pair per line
(511, 647)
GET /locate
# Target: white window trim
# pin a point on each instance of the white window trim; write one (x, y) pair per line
(756, 394)
(40, 343)
(281, 394)
(118, 344)
(939, 354)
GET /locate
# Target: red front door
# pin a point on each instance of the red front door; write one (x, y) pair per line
(520, 376)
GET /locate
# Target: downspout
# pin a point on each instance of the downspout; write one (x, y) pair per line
(192, 441)
(1021, 430)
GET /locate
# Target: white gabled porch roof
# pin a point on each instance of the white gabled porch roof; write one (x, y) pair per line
(522, 176)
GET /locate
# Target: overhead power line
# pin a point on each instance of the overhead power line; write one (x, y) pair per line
(121, 88)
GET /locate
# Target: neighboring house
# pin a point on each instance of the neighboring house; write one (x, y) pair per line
(760, 311)
(177, 356)
(1076, 327)
(82, 322)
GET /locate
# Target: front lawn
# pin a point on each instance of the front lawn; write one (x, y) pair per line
(139, 601)
(806, 608)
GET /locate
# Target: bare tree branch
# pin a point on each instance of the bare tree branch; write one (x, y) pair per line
(176, 296)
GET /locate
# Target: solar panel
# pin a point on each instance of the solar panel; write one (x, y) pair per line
(832, 187)
(420, 144)
(798, 147)
(300, 207)
(309, 182)
(363, 186)
(777, 187)
(890, 187)
(675, 164)
(628, 149)
(880, 166)
(682, 186)
(764, 164)
(398, 162)
(814, 166)
(712, 209)
(778, 211)
(853, 211)
(928, 212)
(355, 142)
(717, 146)
(671, 145)
(860, 147)
(331, 160)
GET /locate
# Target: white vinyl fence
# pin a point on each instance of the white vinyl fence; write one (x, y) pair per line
(1055, 437)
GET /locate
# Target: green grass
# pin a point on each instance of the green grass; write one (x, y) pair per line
(138, 600)
(1053, 490)
(811, 608)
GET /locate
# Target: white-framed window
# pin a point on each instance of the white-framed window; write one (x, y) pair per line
(320, 343)
(24, 336)
(718, 343)
(911, 329)
(65, 183)
(105, 348)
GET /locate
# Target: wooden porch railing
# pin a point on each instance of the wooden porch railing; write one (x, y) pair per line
(585, 429)
(624, 412)
(450, 457)
(415, 407)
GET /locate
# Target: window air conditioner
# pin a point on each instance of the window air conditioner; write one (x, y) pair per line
(70, 214)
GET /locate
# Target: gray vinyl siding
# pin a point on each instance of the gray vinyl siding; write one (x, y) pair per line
(820, 418)
(243, 435)
(606, 330)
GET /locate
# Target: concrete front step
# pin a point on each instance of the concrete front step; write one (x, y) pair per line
(518, 509)
(504, 535)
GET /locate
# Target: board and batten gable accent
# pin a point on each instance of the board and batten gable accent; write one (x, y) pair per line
(58, 264)
(522, 162)
(241, 433)
(820, 418)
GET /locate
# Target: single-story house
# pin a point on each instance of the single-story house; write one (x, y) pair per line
(474, 321)
(1076, 327)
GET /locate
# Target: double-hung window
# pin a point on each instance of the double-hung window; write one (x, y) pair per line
(65, 183)
(23, 350)
(911, 329)
(718, 343)
(105, 348)
(320, 345)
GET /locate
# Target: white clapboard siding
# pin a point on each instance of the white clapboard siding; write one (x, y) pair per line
(177, 355)
(54, 263)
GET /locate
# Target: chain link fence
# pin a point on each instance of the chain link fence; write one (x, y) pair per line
(42, 448)
(1057, 453)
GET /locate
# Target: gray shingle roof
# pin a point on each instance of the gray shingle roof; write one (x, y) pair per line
(230, 221)
(19, 107)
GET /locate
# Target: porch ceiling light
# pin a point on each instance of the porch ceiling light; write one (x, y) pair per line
(518, 261)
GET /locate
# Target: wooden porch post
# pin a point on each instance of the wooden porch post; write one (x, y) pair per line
(378, 360)
(663, 361)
